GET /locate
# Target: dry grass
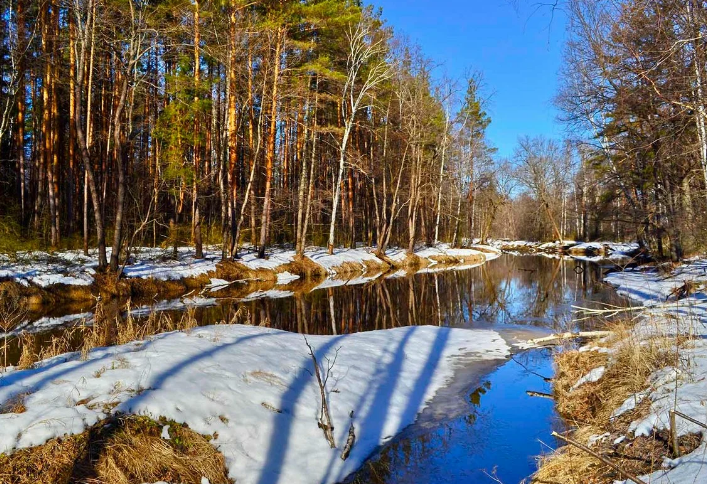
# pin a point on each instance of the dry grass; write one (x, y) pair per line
(110, 330)
(589, 408)
(627, 371)
(125, 450)
(639, 456)
(15, 404)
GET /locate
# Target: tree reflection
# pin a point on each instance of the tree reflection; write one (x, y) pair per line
(530, 290)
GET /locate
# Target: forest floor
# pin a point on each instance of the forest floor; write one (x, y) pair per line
(251, 392)
(43, 278)
(619, 393)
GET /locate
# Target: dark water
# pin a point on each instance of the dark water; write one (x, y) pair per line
(484, 420)
(529, 291)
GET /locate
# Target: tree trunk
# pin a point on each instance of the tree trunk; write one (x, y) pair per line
(337, 184)
(270, 152)
(121, 159)
(196, 215)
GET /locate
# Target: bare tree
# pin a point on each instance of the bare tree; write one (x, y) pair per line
(366, 68)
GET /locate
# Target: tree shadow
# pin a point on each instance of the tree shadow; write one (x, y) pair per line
(372, 411)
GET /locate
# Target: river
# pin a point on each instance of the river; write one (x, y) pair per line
(483, 426)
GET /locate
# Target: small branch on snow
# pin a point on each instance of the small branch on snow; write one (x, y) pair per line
(324, 422)
(351, 440)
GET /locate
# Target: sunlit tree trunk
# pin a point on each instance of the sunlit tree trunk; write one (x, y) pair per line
(196, 215)
(270, 149)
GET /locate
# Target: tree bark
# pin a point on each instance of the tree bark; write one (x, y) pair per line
(270, 151)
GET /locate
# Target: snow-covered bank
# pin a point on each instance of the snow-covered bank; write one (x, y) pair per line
(252, 389)
(673, 319)
(71, 267)
(592, 251)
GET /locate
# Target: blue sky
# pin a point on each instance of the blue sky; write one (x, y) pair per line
(519, 53)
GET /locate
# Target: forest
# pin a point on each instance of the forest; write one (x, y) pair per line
(258, 123)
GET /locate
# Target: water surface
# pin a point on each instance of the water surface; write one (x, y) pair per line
(484, 424)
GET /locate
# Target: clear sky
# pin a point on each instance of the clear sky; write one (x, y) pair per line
(518, 50)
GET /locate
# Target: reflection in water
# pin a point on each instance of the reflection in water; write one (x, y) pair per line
(511, 290)
(501, 431)
(494, 423)
(529, 290)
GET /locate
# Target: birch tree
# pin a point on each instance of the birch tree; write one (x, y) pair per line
(366, 68)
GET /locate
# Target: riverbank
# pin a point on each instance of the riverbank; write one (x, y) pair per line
(252, 391)
(616, 251)
(638, 398)
(42, 278)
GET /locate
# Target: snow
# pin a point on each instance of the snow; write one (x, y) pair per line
(683, 387)
(71, 267)
(591, 377)
(333, 263)
(615, 251)
(649, 286)
(225, 380)
(274, 259)
(43, 269)
(185, 265)
(286, 277)
(629, 404)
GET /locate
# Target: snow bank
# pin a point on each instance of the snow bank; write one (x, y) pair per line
(683, 389)
(252, 389)
(649, 286)
(43, 269)
(185, 265)
(334, 263)
(591, 251)
(74, 268)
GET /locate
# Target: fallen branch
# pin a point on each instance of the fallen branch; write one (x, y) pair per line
(324, 421)
(606, 461)
(554, 338)
(690, 419)
(350, 440)
(531, 371)
(532, 393)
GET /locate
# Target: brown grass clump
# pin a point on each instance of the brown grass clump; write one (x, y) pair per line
(137, 453)
(448, 260)
(639, 456)
(348, 268)
(413, 262)
(631, 363)
(28, 356)
(15, 404)
(572, 365)
(51, 463)
(590, 406)
(123, 450)
(306, 268)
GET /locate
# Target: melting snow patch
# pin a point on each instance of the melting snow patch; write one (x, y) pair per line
(591, 377)
(215, 378)
(286, 277)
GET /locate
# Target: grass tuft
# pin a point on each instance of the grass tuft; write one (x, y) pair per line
(122, 450)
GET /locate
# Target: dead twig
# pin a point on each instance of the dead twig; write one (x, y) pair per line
(606, 461)
(350, 440)
(324, 422)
